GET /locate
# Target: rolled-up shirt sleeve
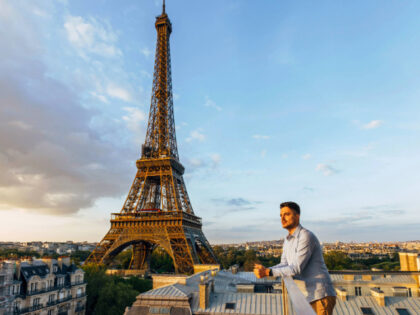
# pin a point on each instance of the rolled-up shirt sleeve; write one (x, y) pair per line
(301, 257)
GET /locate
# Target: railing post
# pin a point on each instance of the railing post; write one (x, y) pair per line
(285, 304)
(298, 303)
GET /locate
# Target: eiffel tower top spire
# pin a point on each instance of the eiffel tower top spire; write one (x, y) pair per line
(160, 137)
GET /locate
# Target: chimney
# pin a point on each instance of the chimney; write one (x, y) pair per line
(367, 277)
(48, 261)
(18, 269)
(379, 296)
(341, 293)
(63, 260)
(204, 293)
(348, 277)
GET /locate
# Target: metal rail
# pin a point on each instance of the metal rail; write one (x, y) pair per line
(299, 303)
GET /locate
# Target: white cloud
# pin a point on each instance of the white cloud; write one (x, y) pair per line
(134, 120)
(47, 142)
(146, 52)
(373, 124)
(118, 92)
(196, 135)
(210, 103)
(100, 97)
(306, 156)
(90, 36)
(215, 159)
(326, 169)
(260, 137)
(145, 74)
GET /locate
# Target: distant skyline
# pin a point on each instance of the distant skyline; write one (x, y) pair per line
(312, 102)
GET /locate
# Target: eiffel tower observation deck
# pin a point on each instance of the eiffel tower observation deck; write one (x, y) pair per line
(158, 211)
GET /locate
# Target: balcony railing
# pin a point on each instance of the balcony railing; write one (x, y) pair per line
(35, 292)
(80, 295)
(58, 301)
(79, 308)
(54, 288)
(298, 303)
(28, 309)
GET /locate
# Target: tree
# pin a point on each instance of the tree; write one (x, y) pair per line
(111, 294)
(336, 260)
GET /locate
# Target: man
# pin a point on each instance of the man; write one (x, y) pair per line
(302, 259)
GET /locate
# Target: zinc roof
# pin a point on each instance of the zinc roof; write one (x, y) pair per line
(354, 303)
(244, 303)
(378, 279)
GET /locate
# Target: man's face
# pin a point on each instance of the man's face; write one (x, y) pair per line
(289, 218)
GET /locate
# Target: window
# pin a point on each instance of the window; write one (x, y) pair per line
(50, 312)
(409, 292)
(366, 311)
(230, 306)
(36, 302)
(51, 298)
(357, 291)
(402, 311)
(16, 305)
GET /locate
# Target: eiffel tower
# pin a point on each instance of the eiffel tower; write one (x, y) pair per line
(157, 211)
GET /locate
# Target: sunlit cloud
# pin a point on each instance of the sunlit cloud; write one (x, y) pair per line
(212, 104)
(326, 169)
(196, 135)
(372, 124)
(91, 36)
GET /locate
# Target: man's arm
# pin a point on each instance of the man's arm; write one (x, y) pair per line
(302, 255)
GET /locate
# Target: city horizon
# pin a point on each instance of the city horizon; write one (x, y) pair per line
(309, 108)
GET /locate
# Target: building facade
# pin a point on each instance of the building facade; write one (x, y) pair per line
(42, 287)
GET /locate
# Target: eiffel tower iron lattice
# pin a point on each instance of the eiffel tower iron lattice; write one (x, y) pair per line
(157, 211)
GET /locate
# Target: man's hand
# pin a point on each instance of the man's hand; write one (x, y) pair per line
(260, 271)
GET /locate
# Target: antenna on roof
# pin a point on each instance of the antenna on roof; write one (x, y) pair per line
(163, 8)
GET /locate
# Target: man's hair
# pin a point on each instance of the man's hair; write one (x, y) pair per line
(292, 205)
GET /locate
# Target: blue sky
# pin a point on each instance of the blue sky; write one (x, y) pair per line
(274, 101)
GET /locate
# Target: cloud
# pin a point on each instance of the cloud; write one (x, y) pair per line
(210, 103)
(236, 204)
(196, 135)
(263, 153)
(51, 160)
(260, 137)
(363, 216)
(372, 124)
(100, 97)
(146, 52)
(326, 169)
(306, 156)
(215, 159)
(91, 36)
(308, 189)
(134, 120)
(119, 93)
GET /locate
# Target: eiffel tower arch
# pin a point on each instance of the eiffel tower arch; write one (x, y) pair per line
(157, 211)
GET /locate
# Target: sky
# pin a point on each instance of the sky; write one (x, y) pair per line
(314, 102)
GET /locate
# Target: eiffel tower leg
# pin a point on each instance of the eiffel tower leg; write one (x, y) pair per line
(205, 251)
(180, 251)
(98, 254)
(141, 257)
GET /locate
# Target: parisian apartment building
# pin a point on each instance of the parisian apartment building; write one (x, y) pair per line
(42, 287)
